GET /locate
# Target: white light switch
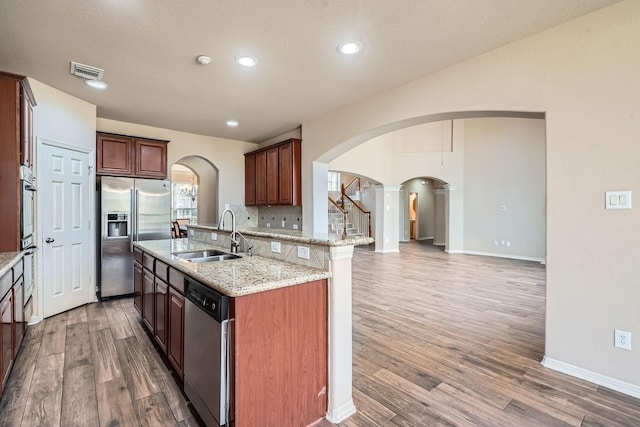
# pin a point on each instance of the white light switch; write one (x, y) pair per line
(618, 200)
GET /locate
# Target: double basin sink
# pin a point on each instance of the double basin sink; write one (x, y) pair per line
(209, 255)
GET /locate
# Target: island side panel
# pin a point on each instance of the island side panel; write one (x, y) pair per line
(281, 356)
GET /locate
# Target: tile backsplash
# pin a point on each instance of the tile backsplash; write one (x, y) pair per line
(280, 217)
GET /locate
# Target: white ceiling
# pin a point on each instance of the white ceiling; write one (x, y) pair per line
(148, 49)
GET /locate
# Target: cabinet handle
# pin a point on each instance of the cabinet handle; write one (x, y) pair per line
(49, 240)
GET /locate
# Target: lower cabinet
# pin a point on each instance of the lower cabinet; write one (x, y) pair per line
(161, 304)
(148, 287)
(6, 337)
(175, 348)
(137, 286)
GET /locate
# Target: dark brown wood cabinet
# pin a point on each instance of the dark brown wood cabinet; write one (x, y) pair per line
(161, 297)
(148, 288)
(16, 146)
(250, 180)
(175, 346)
(273, 175)
(261, 178)
(12, 315)
(137, 286)
(6, 336)
(122, 155)
(280, 341)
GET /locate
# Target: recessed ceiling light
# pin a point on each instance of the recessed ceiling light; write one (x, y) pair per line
(232, 123)
(96, 84)
(246, 61)
(349, 47)
(203, 59)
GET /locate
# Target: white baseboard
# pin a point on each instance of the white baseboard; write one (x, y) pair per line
(593, 377)
(34, 319)
(426, 238)
(454, 251)
(523, 258)
(342, 413)
(387, 251)
(438, 243)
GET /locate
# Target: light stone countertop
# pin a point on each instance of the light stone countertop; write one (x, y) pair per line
(234, 277)
(8, 260)
(295, 236)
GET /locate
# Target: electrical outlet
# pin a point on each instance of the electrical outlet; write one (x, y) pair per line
(214, 236)
(283, 224)
(295, 226)
(508, 244)
(275, 247)
(192, 232)
(303, 252)
(268, 225)
(622, 339)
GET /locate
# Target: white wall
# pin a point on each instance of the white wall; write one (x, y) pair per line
(504, 167)
(584, 76)
(225, 154)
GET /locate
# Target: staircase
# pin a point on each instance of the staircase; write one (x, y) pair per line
(346, 217)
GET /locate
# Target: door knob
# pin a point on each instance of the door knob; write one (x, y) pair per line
(49, 240)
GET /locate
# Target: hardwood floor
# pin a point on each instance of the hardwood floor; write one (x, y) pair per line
(444, 340)
(92, 366)
(439, 340)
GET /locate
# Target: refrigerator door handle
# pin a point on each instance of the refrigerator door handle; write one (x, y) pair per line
(132, 220)
(137, 213)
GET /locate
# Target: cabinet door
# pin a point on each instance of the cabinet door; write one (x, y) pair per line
(289, 160)
(26, 151)
(151, 159)
(175, 349)
(261, 178)
(137, 286)
(272, 176)
(250, 180)
(114, 155)
(161, 299)
(6, 337)
(147, 298)
(18, 314)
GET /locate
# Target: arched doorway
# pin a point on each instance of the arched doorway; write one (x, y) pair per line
(195, 185)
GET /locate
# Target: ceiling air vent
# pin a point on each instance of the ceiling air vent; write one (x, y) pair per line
(86, 71)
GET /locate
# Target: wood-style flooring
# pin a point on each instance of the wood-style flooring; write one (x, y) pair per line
(439, 340)
(443, 340)
(92, 366)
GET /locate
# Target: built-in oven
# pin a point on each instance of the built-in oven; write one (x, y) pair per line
(27, 207)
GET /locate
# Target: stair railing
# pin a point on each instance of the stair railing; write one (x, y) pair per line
(344, 216)
(360, 218)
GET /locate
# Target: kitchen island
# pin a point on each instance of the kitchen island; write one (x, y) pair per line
(278, 346)
(283, 261)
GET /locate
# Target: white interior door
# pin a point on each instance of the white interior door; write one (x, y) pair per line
(64, 198)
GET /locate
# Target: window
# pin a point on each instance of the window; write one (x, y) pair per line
(184, 195)
(334, 181)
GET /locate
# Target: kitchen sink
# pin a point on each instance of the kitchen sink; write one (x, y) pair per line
(206, 256)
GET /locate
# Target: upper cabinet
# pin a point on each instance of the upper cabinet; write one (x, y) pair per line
(123, 155)
(273, 175)
(16, 145)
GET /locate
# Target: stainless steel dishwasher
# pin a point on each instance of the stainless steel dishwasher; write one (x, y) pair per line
(207, 353)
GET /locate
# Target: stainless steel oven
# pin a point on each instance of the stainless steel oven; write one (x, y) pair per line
(27, 207)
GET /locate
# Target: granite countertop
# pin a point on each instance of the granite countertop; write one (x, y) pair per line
(296, 236)
(8, 260)
(235, 277)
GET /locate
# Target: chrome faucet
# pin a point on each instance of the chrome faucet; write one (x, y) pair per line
(235, 244)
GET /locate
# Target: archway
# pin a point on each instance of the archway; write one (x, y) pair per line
(207, 187)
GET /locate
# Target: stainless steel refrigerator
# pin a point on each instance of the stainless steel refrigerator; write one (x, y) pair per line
(129, 210)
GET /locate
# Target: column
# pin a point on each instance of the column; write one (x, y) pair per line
(455, 219)
(340, 401)
(387, 218)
